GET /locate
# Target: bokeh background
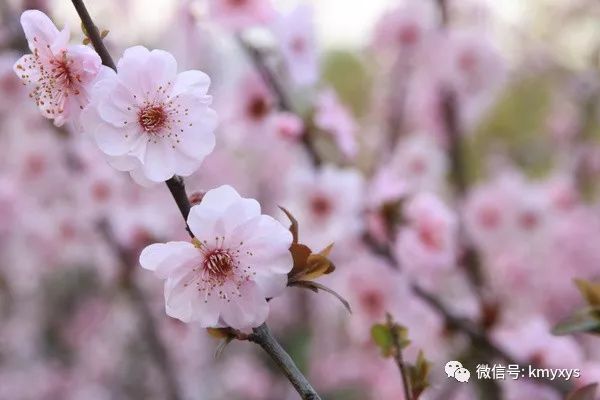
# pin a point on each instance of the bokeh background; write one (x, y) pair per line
(458, 179)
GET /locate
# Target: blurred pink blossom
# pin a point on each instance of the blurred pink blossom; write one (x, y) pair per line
(335, 119)
(295, 35)
(237, 15)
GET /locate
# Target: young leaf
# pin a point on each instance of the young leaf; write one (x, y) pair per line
(590, 291)
(382, 336)
(586, 320)
(293, 226)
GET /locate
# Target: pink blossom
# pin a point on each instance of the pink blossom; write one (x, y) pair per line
(335, 119)
(150, 120)
(531, 341)
(295, 35)
(239, 259)
(288, 125)
(328, 202)
(419, 163)
(237, 15)
(428, 241)
(59, 75)
(405, 30)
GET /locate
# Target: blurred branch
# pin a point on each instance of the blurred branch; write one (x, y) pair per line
(149, 330)
(277, 89)
(399, 359)
(265, 339)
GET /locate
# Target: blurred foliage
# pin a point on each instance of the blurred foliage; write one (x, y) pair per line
(515, 122)
(63, 292)
(585, 320)
(347, 74)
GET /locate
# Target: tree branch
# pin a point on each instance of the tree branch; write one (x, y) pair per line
(265, 339)
(276, 88)
(262, 335)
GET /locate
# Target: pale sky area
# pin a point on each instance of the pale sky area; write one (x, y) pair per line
(339, 22)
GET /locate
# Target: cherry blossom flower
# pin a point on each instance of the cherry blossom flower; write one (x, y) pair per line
(334, 118)
(59, 75)
(237, 260)
(328, 202)
(150, 120)
(405, 30)
(428, 242)
(295, 35)
(237, 15)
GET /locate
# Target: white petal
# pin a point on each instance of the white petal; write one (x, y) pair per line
(166, 258)
(194, 82)
(248, 311)
(159, 162)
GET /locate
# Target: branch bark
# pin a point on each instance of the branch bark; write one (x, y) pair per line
(265, 339)
(261, 335)
(277, 89)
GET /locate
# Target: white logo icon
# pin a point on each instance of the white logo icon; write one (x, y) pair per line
(455, 369)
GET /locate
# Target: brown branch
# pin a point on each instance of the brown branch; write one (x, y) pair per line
(399, 359)
(265, 339)
(277, 89)
(262, 335)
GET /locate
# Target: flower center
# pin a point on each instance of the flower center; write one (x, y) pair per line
(408, 35)
(152, 118)
(258, 108)
(237, 3)
(62, 74)
(321, 206)
(218, 264)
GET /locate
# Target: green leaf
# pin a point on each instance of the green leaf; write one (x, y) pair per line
(382, 336)
(419, 375)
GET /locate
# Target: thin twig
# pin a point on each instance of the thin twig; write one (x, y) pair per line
(265, 339)
(277, 89)
(262, 335)
(406, 384)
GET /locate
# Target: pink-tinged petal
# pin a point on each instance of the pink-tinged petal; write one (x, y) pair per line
(268, 241)
(178, 300)
(203, 217)
(39, 30)
(138, 177)
(112, 141)
(159, 161)
(247, 311)
(131, 70)
(185, 166)
(26, 69)
(193, 82)
(118, 108)
(184, 302)
(124, 163)
(195, 134)
(239, 213)
(86, 62)
(166, 258)
(272, 285)
(162, 67)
